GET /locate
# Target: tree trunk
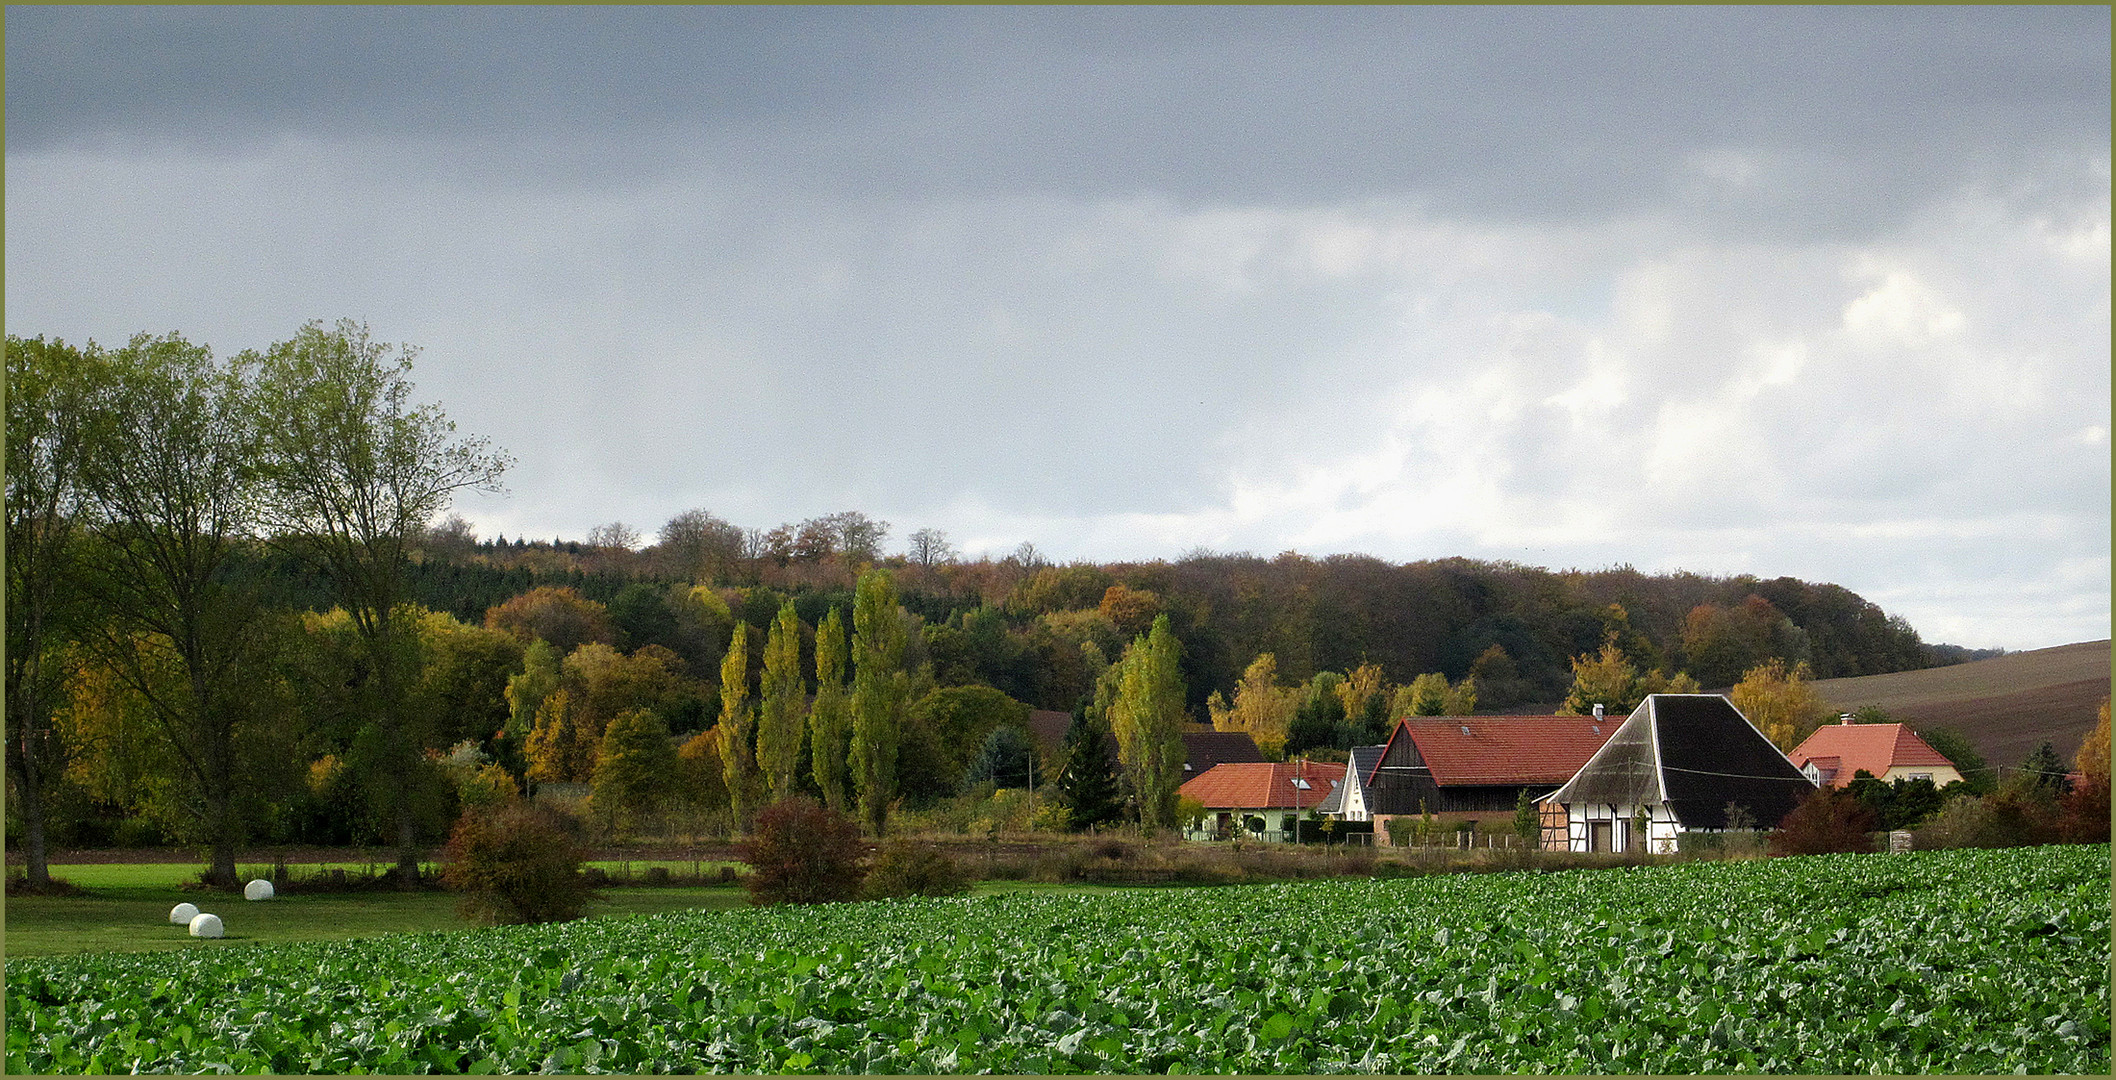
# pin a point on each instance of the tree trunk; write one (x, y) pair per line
(222, 872)
(407, 847)
(36, 864)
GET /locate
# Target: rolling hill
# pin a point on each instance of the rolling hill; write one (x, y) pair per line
(2004, 706)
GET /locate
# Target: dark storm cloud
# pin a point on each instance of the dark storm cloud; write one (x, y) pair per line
(1521, 112)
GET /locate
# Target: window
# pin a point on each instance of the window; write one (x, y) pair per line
(1302, 784)
(1925, 776)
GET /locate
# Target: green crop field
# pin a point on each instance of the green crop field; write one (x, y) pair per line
(1955, 962)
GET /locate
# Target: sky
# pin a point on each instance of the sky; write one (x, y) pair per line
(1774, 291)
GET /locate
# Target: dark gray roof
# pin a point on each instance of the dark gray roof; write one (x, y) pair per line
(1696, 754)
(1204, 749)
(1364, 758)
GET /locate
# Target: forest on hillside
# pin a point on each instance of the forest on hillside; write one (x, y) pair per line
(1016, 623)
(236, 610)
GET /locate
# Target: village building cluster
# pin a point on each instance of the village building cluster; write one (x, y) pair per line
(1679, 763)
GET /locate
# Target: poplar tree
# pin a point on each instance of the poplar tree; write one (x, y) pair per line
(738, 762)
(829, 720)
(879, 690)
(1147, 718)
(779, 713)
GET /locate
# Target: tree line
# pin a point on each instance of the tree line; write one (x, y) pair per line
(235, 611)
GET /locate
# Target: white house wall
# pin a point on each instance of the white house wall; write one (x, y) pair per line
(1661, 826)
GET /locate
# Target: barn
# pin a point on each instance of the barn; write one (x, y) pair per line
(1475, 768)
(1679, 763)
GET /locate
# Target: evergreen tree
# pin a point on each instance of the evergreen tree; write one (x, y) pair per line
(829, 720)
(1007, 759)
(880, 689)
(738, 759)
(1087, 776)
(2046, 770)
(1147, 718)
(779, 721)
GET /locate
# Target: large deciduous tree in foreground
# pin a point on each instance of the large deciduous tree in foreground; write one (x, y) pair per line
(46, 440)
(352, 472)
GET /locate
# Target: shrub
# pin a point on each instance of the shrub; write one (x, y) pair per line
(1961, 823)
(516, 863)
(1826, 822)
(801, 852)
(907, 869)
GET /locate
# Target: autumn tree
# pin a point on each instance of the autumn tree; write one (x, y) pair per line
(830, 718)
(48, 387)
(780, 715)
(1721, 644)
(560, 748)
(701, 782)
(527, 689)
(1781, 701)
(2085, 809)
(1132, 610)
(635, 767)
(880, 689)
(353, 473)
(1262, 708)
(557, 614)
(1363, 686)
(1147, 718)
(1431, 694)
(738, 760)
(1608, 679)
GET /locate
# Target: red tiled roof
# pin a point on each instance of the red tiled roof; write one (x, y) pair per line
(1471, 750)
(1873, 747)
(1259, 785)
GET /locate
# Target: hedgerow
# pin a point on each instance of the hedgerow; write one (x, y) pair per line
(1970, 961)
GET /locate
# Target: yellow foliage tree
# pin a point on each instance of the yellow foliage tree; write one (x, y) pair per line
(561, 750)
(1362, 684)
(2093, 757)
(1262, 708)
(1781, 702)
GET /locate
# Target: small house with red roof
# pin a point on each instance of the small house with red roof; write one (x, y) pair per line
(1835, 754)
(1476, 767)
(1276, 792)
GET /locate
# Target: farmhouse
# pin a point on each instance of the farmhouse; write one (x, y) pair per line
(1348, 801)
(1891, 752)
(1681, 762)
(1476, 767)
(1278, 793)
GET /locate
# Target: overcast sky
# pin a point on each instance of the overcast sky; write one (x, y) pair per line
(1821, 293)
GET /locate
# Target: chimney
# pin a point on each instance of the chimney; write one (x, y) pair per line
(1844, 718)
(1597, 711)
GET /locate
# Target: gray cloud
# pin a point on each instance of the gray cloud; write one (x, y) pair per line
(1841, 116)
(1820, 292)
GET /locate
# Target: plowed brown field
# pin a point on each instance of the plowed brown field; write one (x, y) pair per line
(2005, 706)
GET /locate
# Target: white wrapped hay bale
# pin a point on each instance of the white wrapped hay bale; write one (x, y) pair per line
(205, 924)
(182, 914)
(259, 889)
